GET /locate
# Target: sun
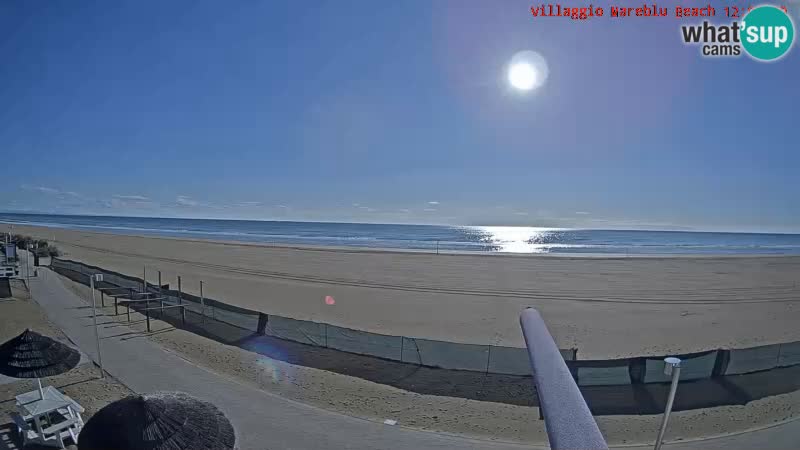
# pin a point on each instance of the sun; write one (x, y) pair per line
(522, 76)
(527, 71)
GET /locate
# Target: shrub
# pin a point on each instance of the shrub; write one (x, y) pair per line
(22, 241)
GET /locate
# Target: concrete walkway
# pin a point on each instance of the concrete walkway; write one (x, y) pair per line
(785, 436)
(266, 421)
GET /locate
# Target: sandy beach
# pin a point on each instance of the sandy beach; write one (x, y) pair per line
(478, 419)
(360, 398)
(595, 304)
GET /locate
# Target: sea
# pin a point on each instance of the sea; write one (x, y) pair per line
(441, 238)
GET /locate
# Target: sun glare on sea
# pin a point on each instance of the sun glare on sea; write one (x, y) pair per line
(520, 239)
(527, 71)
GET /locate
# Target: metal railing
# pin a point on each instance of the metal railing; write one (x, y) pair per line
(569, 422)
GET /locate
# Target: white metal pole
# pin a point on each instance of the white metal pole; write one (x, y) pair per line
(96, 333)
(27, 267)
(671, 365)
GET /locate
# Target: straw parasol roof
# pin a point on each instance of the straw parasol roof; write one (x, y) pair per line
(31, 355)
(160, 421)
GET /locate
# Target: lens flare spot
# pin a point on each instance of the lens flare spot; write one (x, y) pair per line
(329, 300)
(268, 361)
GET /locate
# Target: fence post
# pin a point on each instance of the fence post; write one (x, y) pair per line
(721, 363)
(128, 306)
(147, 314)
(202, 302)
(116, 306)
(144, 279)
(103, 299)
(263, 319)
(180, 301)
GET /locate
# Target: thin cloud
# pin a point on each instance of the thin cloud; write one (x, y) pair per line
(185, 200)
(429, 209)
(42, 189)
(433, 203)
(282, 206)
(131, 198)
(63, 195)
(582, 213)
(248, 204)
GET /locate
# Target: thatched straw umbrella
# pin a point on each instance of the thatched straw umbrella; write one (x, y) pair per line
(160, 421)
(31, 355)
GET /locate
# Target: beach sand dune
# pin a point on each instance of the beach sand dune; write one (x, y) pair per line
(606, 307)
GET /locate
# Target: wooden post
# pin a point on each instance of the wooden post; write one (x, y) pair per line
(263, 319)
(116, 306)
(128, 306)
(103, 299)
(144, 279)
(180, 301)
(202, 302)
(160, 312)
(147, 313)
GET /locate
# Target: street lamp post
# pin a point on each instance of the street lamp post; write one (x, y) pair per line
(672, 366)
(28, 264)
(92, 279)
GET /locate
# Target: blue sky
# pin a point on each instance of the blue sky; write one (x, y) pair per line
(388, 112)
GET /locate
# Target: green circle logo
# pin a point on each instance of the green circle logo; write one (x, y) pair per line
(767, 33)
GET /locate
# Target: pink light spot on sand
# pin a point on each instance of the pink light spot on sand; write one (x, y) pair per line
(329, 300)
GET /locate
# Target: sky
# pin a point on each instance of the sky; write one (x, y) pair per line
(391, 111)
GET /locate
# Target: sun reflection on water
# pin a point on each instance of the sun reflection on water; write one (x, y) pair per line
(518, 239)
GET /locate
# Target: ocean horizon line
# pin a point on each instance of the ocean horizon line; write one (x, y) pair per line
(676, 229)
